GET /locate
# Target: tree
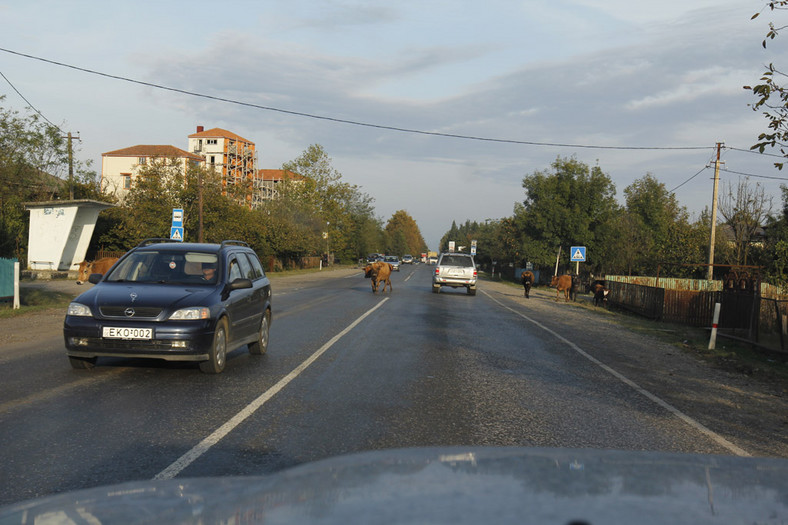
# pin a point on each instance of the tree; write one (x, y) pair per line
(403, 234)
(572, 205)
(772, 95)
(653, 210)
(32, 156)
(322, 202)
(744, 211)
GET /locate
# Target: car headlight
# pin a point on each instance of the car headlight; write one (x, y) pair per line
(79, 310)
(191, 313)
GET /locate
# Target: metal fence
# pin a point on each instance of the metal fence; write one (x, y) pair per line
(7, 278)
(744, 315)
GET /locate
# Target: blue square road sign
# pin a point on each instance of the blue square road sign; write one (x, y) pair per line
(577, 253)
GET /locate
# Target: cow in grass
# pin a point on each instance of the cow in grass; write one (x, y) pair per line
(99, 266)
(600, 291)
(379, 272)
(527, 279)
(562, 283)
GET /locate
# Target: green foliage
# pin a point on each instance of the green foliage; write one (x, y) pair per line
(403, 235)
(772, 96)
(570, 206)
(33, 158)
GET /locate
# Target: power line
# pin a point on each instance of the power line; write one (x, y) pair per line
(755, 152)
(753, 175)
(350, 122)
(28, 102)
(686, 181)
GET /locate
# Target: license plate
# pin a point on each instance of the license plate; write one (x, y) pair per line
(112, 332)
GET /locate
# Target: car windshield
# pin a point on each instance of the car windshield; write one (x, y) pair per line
(456, 260)
(168, 267)
(391, 258)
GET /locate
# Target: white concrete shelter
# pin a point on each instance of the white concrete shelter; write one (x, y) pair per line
(60, 233)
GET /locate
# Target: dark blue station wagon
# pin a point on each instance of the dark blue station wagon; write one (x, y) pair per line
(173, 301)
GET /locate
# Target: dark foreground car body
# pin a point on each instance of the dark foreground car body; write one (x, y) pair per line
(454, 485)
(156, 302)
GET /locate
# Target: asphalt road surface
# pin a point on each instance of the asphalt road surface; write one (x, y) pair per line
(348, 370)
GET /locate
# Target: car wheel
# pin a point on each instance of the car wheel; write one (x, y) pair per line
(218, 354)
(260, 346)
(436, 288)
(82, 363)
(471, 291)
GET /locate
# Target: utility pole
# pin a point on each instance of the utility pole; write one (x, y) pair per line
(713, 232)
(199, 200)
(71, 166)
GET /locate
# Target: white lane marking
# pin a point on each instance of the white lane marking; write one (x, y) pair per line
(664, 404)
(205, 445)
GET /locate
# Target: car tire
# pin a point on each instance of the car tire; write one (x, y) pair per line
(82, 363)
(260, 346)
(217, 357)
(471, 291)
(436, 288)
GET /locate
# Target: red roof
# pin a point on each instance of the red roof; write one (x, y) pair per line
(278, 175)
(152, 151)
(218, 133)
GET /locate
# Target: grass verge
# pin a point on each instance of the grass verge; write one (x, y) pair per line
(728, 354)
(33, 300)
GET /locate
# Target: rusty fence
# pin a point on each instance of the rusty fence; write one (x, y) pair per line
(748, 317)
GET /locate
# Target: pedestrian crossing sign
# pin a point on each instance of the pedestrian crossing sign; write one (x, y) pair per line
(176, 233)
(578, 253)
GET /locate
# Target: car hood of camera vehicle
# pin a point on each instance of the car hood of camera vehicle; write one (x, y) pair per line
(450, 485)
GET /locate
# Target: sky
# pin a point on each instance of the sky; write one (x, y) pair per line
(634, 87)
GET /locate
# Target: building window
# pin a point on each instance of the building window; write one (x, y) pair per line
(211, 141)
(213, 159)
(142, 161)
(126, 179)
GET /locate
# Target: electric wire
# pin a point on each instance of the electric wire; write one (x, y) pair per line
(29, 104)
(686, 181)
(350, 122)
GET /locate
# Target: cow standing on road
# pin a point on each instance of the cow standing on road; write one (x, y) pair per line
(379, 272)
(527, 279)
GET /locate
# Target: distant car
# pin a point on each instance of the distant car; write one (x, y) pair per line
(173, 301)
(433, 260)
(393, 260)
(455, 270)
(407, 259)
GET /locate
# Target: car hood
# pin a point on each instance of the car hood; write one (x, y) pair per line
(451, 485)
(145, 294)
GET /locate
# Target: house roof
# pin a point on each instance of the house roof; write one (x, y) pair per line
(152, 151)
(279, 175)
(218, 133)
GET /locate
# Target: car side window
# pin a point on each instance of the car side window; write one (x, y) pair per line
(234, 272)
(256, 266)
(246, 268)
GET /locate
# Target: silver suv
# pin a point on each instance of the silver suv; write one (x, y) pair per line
(455, 270)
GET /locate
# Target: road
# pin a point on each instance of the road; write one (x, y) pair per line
(348, 370)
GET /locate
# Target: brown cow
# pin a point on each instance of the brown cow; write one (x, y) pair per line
(100, 266)
(600, 292)
(379, 272)
(527, 279)
(563, 283)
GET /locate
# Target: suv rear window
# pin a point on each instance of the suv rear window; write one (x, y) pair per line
(456, 260)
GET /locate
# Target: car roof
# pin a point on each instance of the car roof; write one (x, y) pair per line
(163, 245)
